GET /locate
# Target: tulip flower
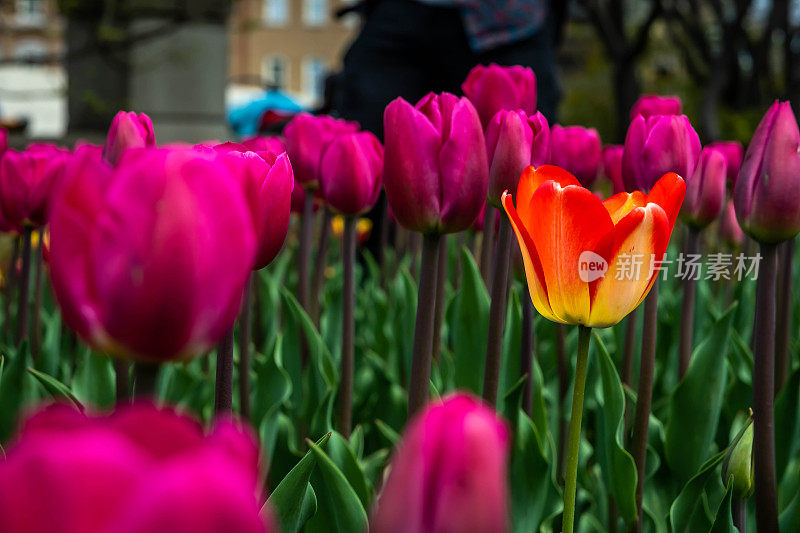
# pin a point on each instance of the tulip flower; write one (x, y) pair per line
(653, 104)
(705, 189)
(514, 141)
(3, 141)
(729, 231)
(612, 167)
(137, 470)
(733, 152)
(494, 87)
(307, 137)
(350, 173)
(657, 145)
(148, 261)
(577, 150)
(449, 473)
(436, 178)
(262, 143)
(128, 130)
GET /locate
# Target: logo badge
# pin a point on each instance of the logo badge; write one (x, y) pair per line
(591, 266)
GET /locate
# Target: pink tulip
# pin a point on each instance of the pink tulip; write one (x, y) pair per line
(577, 150)
(655, 146)
(435, 168)
(149, 260)
(705, 190)
(138, 470)
(3, 141)
(513, 142)
(653, 104)
(307, 137)
(767, 191)
(449, 474)
(612, 166)
(27, 180)
(128, 130)
(351, 173)
(733, 152)
(494, 87)
(262, 143)
(729, 231)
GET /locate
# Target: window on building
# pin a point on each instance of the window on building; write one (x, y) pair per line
(29, 12)
(314, 72)
(275, 72)
(315, 12)
(276, 12)
(29, 50)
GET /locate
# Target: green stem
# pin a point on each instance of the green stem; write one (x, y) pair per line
(571, 479)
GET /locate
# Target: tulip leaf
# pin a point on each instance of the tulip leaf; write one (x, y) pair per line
(787, 421)
(723, 521)
(696, 402)
(789, 519)
(469, 330)
(617, 465)
(318, 351)
(512, 341)
(94, 381)
(341, 453)
(12, 388)
(689, 501)
(338, 507)
(388, 433)
(57, 390)
(291, 501)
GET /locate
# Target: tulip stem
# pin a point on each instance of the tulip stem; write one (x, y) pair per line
(122, 370)
(562, 368)
(783, 319)
(24, 286)
(223, 386)
(144, 380)
(319, 265)
(245, 331)
(303, 258)
(497, 310)
(420, 378)
(763, 393)
(438, 314)
(526, 353)
(571, 478)
(687, 307)
(487, 242)
(345, 404)
(739, 512)
(11, 283)
(36, 323)
(645, 395)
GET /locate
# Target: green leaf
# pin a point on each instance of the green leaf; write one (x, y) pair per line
(94, 381)
(56, 389)
(12, 388)
(723, 522)
(318, 351)
(689, 501)
(512, 344)
(695, 404)
(789, 519)
(617, 465)
(469, 330)
(293, 497)
(339, 508)
(388, 433)
(787, 422)
(342, 455)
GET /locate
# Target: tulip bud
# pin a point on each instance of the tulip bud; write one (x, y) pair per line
(577, 150)
(435, 169)
(733, 152)
(449, 473)
(767, 191)
(351, 173)
(738, 463)
(655, 146)
(27, 181)
(729, 231)
(705, 189)
(612, 167)
(128, 130)
(514, 141)
(307, 137)
(493, 88)
(653, 104)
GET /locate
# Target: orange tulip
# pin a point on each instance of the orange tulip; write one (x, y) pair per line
(580, 252)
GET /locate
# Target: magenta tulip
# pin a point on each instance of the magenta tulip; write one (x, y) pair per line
(494, 87)
(27, 180)
(733, 152)
(262, 143)
(435, 168)
(149, 260)
(307, 137)
(705, 189)
(612, 167)
(655, 146)
(449, 474)
(3, 141)
(513, 142)
(653, 104)
(128, 130)
(577, 150)
(729, 231)
(138, 470)
(351, 173)
(767, 191)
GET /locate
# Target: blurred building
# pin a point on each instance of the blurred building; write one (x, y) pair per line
(288, 44)
(30, 30)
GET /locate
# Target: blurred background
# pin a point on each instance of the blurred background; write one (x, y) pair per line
(211, 69)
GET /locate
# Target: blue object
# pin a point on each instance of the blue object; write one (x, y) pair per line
(245, 119)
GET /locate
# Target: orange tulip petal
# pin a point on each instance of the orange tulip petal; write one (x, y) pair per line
(668, 192)
(623, 203)
(569, 221)
(532, 178)
(533, 266)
